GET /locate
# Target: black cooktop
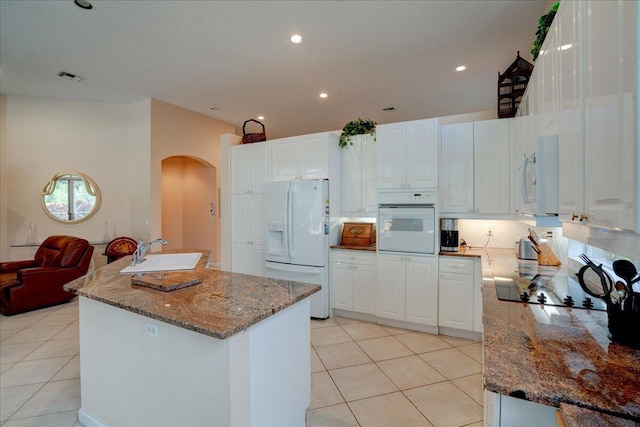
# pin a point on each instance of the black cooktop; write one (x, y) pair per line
(553, 289)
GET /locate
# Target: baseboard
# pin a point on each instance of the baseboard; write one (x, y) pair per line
(87, 420)
(460, 333)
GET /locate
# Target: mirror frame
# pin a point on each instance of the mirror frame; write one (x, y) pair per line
(90, 185)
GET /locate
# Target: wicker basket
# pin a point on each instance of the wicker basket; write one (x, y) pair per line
(248, 138)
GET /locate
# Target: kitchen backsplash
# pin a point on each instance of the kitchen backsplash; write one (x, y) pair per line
(505, 234)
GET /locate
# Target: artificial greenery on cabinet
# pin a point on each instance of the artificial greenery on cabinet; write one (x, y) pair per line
(357, 127)
(544, 23)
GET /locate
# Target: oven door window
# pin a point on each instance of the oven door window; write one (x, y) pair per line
(406, 230)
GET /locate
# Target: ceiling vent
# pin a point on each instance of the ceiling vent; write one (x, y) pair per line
(70, 76)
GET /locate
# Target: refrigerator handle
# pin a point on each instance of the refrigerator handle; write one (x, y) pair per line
(289, 221)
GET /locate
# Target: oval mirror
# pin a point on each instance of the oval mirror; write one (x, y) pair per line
(70, 197)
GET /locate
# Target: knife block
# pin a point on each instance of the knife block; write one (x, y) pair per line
(546, 255)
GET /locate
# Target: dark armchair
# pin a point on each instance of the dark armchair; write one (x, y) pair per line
(37, 283)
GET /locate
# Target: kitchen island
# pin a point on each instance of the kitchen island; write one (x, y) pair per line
(551, 355)
(231, 350)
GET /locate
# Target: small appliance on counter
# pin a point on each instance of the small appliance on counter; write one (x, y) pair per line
(525, 250)
(449, 235)
(358, 234)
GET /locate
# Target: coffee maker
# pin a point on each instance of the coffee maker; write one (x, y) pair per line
(449, 235)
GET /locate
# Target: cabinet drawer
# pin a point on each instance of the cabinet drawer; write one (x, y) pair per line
(353, 257)
(456, 265)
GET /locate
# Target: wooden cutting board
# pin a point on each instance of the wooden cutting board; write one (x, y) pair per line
(167, 281)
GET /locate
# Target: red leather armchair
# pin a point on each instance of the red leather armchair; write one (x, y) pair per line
(37, 283)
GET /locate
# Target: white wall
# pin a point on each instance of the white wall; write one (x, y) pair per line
(44, 136)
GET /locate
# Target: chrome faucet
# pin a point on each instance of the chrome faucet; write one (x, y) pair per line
(142, 249)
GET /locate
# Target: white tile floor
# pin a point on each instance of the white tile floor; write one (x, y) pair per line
(40, 367)
(363, 374)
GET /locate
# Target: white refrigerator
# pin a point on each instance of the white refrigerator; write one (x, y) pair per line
(297, 236)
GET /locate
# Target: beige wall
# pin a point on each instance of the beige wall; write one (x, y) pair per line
(188, 189)
(176, 131)
(44, 136)
(120, 146)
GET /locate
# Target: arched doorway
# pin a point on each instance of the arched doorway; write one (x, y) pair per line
(190, 216)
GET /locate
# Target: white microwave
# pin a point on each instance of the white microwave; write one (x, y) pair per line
(539, 178)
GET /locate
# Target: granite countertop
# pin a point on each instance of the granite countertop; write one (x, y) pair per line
(464, 251)
(554, 355)
(371, 248)
(222, 305)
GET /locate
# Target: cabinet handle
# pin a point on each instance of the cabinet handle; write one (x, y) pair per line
(408, 259)
(574, 216)
(585, 217)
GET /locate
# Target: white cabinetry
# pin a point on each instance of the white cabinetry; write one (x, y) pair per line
(408, 154)
(249, 172)
(610, 113)
(407, 288)
(584, 88)
(301, 157)
(353, 281)
(474, 179)
(460, 299)
(456, 168)
(247, 234)
(250, 168)
(359, 177)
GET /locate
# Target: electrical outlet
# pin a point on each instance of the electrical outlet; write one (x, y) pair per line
(152, 330)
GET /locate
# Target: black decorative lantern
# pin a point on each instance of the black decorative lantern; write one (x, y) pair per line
(511, 86)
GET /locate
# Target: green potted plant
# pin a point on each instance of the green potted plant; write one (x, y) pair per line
(544, 23)
(357, 127)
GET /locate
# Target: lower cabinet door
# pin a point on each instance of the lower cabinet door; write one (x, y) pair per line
(422, 290)
(456, 301)
(342, 286)
(390, 289)
(364, 289)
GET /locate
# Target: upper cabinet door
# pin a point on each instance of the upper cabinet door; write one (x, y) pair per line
(571, 114)
(260, 166)
(240, 170)
(313, 156)
(610, 113)
(283, 160)
(490, 166)
(421, 153)
(456, 168)
(250, 167)
(301, 157)
(352, 176)
(369, 175)
(391, 157)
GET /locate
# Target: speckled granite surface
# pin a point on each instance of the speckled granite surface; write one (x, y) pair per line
(222, 305)
(574, 416)
(553, 355)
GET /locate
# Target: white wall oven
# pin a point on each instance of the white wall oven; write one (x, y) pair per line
(406, 221)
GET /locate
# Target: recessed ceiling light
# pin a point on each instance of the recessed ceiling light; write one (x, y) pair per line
(461, 68)
(70, 76)
(296, 38)
(323, 95)
(83, 4)
(260, 117)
